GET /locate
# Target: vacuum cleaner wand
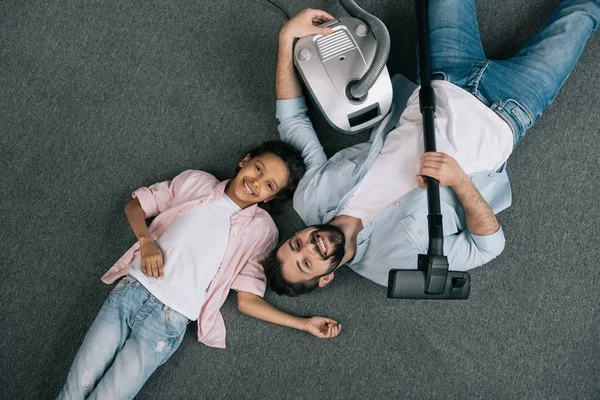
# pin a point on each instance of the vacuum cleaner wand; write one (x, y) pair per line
(431, 280)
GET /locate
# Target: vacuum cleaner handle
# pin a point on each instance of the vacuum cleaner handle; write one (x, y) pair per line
(431, 280)
(361, 88)
(427, 105)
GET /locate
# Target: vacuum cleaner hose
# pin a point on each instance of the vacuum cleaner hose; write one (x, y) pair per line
(361, 88)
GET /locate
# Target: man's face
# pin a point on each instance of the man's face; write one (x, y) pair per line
(311, 253)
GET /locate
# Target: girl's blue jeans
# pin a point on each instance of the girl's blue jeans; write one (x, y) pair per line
(132, 335)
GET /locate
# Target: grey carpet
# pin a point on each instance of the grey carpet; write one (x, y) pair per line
(100, 98)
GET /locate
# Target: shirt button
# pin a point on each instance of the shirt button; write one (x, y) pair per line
(472, 177)
(491, 174)
(373, 223)
(420, 231)
(398, 203)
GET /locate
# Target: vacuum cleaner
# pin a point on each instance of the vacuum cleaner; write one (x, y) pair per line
(346, 75)
(345, 71)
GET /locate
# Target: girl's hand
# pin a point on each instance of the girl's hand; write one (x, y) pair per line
(305, 23)
(323, 328)
(152, 259)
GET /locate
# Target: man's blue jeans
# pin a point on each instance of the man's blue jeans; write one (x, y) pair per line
(132, 335)
(518, 89)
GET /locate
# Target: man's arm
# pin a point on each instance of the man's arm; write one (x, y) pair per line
(479, 215)
(295, 127)
(483, 240)
(301, 25)
(254, 306)
(286, 81)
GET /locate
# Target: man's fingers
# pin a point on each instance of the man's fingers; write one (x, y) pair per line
(433, 159)
(322, 31)
(430, 172)
(434, 154)
(321, 14)
(154, 269)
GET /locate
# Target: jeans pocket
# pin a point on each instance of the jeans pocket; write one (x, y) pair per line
(519, 112)
(175, 322)
(121, 285)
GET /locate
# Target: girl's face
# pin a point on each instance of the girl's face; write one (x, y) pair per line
(260, 179)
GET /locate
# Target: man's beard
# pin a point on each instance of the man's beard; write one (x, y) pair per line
(337, 241)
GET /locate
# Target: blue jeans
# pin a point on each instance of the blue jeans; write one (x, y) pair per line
(518, 89)
(132, 335)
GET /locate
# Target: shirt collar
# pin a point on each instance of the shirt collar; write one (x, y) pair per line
(218, 192)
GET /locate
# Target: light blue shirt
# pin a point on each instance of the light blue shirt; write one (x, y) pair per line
(399, 233)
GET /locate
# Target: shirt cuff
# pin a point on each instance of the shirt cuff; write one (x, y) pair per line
(490, 244)
(290, 107)
(147, 201)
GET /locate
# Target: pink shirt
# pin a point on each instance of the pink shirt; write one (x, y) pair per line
(252, 236)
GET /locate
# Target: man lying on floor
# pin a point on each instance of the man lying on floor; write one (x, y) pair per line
(366, 206)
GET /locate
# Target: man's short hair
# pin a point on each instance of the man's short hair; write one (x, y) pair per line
(272, 266)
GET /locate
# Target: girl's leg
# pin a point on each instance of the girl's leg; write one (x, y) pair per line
(104, 339)
(157, 331)
(520, 88)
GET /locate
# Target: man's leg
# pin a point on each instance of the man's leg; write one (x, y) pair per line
(102, 342)
(455, 47)
(157, 331)
(520, 88)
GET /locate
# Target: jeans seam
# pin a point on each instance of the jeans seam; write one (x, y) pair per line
(479, 76)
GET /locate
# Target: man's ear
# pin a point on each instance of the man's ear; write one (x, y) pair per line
(324, 280)
(245, 160)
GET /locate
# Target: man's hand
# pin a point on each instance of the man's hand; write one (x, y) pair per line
(305, 23)
(152, 258)
(442, 167)
(323, 328)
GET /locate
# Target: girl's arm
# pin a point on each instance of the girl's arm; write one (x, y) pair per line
(255, 306)
(152, 259)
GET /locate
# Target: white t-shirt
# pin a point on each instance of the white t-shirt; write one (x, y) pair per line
(465, 129)
(193, 248)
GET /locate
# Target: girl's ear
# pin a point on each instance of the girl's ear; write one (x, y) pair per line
(245, 160)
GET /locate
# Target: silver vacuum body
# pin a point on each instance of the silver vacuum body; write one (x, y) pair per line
(329, 65)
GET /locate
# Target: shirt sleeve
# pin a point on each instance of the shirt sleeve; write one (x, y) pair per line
(252, 276)
(466, 250)
(186, 186)
(296, 129)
